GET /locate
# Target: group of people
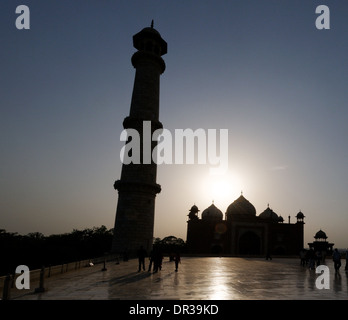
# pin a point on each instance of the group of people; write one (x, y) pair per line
(313, 259)
(156, 259)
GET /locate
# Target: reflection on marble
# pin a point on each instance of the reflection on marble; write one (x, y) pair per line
(198, 278)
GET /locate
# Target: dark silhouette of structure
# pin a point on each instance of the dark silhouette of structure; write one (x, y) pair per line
(137, 187)
(320, 244)
(243, 232)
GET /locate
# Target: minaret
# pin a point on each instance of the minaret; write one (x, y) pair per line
(137, 187)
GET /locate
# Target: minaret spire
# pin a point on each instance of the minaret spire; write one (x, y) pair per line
(152, 24)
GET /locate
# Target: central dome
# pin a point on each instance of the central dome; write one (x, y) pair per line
(241, 206)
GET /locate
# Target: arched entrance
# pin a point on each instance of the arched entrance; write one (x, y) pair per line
(249, 243)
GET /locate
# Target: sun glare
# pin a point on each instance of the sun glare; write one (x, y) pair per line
(222, 189)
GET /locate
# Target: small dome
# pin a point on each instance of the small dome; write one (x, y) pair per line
(269, 214)
(150, 29)
(280, 219)
(212, 213)
(149, 33)
(300, 215)
(194, 209)
(193, 213)
(320, 235)
(241, 206)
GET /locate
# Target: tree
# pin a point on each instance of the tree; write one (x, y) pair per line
(36, 250)
(170, 244)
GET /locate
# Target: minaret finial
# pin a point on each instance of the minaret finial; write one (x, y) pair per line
(152, 24)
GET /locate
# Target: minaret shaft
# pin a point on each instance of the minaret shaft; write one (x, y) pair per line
(137, 187)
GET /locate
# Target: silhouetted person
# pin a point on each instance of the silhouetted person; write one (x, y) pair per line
(311, 259)
(336, 257)
(346, 267)
(141, 258)
(323, 256)
(268, 255)
(318, 257)
(177, 260)
(158, 257)
(125, 256)
(152, 259)
(303, 257)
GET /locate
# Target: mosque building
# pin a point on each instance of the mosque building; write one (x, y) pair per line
(243, 232)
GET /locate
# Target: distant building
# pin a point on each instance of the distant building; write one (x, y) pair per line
(320, 243)
(242, 232)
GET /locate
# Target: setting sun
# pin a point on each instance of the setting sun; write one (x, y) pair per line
(221, 189)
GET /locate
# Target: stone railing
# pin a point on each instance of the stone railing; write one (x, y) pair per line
(37, 277)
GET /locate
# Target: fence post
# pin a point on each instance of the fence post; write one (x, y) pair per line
(41, 287)
(6, 290)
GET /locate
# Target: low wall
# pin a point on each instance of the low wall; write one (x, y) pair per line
(8, 283)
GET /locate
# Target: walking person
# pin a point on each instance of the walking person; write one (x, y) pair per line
(311, 259)
(303, 257)
(152, 259)
(157, 262)
(336, 257)
(141, 258)
(323, 256)
(318, 257)
(160, 259)
(268, 255)
(177, 260)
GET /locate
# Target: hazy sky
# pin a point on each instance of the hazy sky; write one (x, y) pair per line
(258, 68)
